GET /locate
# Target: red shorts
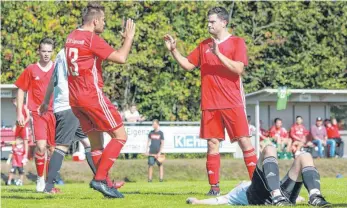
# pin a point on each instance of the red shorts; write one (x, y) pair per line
(99, 115)
(44, 127)
(22, 132)
(214, 123)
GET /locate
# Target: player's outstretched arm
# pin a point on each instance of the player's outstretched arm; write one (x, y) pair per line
(170, 43)
(221, 200)
(120, 56)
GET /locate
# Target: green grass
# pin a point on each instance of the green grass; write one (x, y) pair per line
(142, 194)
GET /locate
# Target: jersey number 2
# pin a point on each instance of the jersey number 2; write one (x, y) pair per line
(72, 54)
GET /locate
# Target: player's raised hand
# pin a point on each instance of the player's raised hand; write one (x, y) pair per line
(170, 42)
(129, 29)
(214, 46)
(43, 108)
(20, 119)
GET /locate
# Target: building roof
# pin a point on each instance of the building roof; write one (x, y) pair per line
(300, 95)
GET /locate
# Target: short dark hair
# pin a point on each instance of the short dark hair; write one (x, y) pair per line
(91, 11)
(156, 121)
(277, 119)
(221, 13)
(47, 41)
(298, 117)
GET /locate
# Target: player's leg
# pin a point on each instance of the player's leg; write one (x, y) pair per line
(235, 121)
(319, 145)
(332, 145)
(40, 160)
(150, 168)
(161, 171)
(303, 171)
(11, 175)
(87, 149)
(21, 176)
(269, 165)
(212, 129)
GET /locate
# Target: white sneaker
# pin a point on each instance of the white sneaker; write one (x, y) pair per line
(40, 184)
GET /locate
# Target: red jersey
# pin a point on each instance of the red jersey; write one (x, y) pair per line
(275, 132)
(220, 88)
(333, 132)
(17, 155)
(299, 131)
(35, 82)
(85, 52)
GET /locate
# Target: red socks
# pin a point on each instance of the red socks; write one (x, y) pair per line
(40, 160)
(250, 159)
(108, 157)
(212, 167)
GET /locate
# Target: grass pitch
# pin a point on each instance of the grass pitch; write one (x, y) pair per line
(143, 194)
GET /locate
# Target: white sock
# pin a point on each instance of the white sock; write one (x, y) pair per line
(314, 191)
(276, 192)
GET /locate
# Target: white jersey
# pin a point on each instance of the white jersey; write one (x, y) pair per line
(238, 196)
(61, 89)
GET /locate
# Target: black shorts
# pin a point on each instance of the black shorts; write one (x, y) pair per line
(258, 193)
(14, 168)
(152, 160)
(68, 128)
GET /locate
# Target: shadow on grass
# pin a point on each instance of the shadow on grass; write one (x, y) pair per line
(27, 197)
(22, 191)
(339, 205)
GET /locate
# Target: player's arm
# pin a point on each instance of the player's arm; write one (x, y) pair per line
(120, 56)
(20, 103)
(27, 113)
(147, 145)
(9, 159)
(161, 147)
(221, 200)
(170, 43)
(234, 66)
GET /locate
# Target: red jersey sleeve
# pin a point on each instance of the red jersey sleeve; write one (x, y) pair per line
(194, 57)
(240, 53)
(100, 48)
(24, 80)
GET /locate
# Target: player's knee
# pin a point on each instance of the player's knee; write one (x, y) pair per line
(213, 145)
(304, 156)
(269, 150)
(41, 149)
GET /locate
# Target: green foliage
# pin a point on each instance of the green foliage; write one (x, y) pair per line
(297, 44)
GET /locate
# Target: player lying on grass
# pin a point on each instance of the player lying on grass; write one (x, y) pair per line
(266, 187)
(67, 125)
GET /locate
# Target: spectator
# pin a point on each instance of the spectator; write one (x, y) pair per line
(280, 136)
(133, 115)
(264, 136)
(17, 155)
(251, 127)
(299, 134)
(156, 142)
(320, 139)
(334, 134)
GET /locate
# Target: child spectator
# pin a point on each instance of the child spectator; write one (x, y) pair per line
(17, 156)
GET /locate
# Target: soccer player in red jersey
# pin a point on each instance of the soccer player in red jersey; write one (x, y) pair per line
(34, 80)
(85, 51)
(22, 132)
(281, 137)
(299, 134)
(221, 60)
